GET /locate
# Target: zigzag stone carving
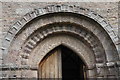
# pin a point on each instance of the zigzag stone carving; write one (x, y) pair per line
(32, 42)
(14, 30)
(89, 38)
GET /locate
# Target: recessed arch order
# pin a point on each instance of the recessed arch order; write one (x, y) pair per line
(36, 25)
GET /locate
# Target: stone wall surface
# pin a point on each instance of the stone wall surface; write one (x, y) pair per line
(13, 11)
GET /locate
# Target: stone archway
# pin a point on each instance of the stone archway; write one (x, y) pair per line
(72, 43)
(85, 26)
(63, 63)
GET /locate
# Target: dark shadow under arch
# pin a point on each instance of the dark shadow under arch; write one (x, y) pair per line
(73, 66)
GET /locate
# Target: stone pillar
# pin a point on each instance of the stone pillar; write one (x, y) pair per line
(1, 36)
(113, 69)
(29, 74)
(0, 64)
(118, 64)
(91, 73)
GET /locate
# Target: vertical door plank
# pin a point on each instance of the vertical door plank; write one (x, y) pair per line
(43, 70)
(47, 66)
(51, 66)
(59, 63)
(56, 65)
(84, 71)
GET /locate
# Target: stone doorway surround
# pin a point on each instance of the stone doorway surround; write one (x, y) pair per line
(46, 28)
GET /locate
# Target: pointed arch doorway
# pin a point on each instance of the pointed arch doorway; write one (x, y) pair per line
(62, 63)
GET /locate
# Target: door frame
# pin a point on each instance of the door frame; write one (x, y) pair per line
(60, 64)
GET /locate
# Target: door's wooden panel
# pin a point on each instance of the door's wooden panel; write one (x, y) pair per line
(59, 63)
(51, 66)
(85, 73)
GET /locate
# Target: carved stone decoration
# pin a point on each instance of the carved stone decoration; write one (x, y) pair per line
(69, 41)
(19, 25)
(90, 39)
(80, 29)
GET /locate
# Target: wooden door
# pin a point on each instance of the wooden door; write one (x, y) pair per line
(62, 63)
(51, 65)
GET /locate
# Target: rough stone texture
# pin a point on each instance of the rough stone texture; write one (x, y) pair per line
(14, 11)
(71, 43)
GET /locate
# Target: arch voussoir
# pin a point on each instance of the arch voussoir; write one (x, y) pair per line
(33, 41)
(91, 37)
(52, 9)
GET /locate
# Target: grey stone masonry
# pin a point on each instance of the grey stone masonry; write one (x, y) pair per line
(104, 41)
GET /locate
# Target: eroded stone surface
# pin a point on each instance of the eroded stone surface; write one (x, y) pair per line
(17, 35)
